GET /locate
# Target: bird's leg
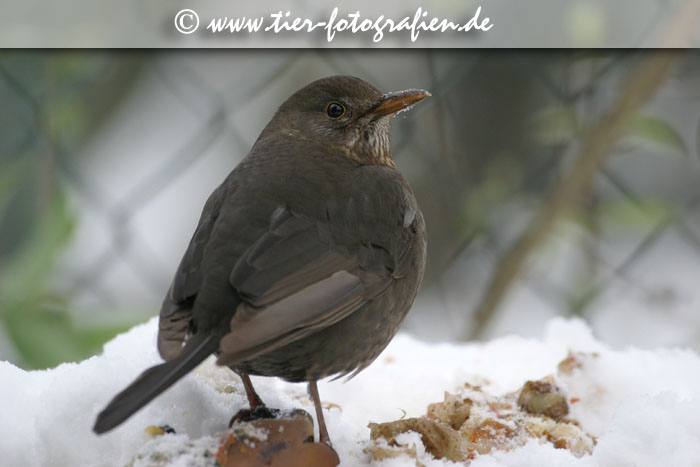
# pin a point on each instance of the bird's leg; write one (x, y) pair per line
(253, 398)
(322, 430)
(257, 410)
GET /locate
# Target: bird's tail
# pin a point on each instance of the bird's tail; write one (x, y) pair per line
(154, 381)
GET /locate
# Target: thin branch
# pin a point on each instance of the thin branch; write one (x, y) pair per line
(641, 85)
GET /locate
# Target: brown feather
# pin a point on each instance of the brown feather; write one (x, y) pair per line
(294, 317)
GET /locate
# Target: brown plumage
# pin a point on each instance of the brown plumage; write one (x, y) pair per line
(306, 258)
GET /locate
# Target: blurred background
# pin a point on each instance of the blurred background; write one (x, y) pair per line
(106, 160)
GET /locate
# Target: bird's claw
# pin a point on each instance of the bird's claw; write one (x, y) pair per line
(247, 415)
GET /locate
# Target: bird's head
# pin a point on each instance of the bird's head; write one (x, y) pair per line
(346, 114)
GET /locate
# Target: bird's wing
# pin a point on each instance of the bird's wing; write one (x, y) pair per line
(176, 312)
(300, 276)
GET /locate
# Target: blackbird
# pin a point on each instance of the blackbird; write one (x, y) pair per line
(306, 258)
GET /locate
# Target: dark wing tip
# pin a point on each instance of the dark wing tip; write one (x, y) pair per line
(154, 381)
(105, 422)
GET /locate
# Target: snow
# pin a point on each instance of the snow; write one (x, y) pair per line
(642, 405)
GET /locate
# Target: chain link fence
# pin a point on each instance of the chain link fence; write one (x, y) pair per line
(107, 158)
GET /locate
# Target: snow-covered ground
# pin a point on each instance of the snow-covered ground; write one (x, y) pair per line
(643, 406)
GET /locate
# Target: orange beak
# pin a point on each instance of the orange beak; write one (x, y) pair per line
(396, 102)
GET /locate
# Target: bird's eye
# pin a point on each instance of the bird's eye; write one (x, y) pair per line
(335, 110)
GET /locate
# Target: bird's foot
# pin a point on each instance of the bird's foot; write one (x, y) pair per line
(289, 442)
(248, 415)
(326, 440)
